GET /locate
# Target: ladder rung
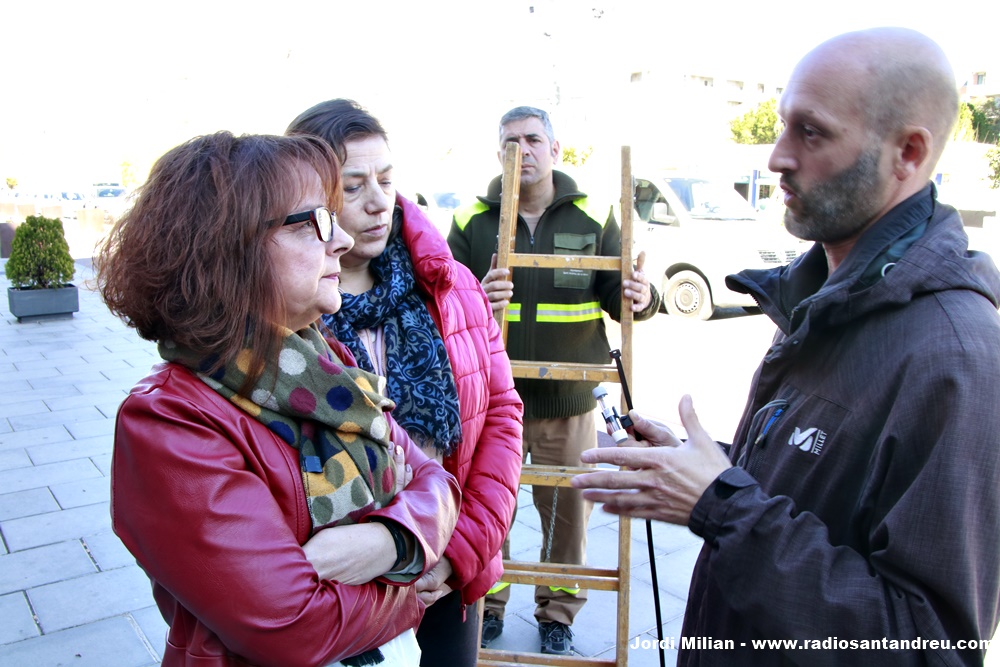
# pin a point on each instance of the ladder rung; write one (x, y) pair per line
(598, 262)
(498, 658)
(563, 370)
(561, 574)
(551, 475)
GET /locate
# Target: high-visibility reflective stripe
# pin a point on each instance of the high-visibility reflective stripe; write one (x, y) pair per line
(562, 312)
(597, 213)
(500, 585)
(464, 214)
(514, 312)
(571, 591)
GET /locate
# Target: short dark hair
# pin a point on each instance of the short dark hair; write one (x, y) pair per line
(520, 113)
(189, 262)
(337, 122)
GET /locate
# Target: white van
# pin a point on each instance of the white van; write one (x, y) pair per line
(695, 232)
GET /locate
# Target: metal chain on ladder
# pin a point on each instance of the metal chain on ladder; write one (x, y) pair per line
(552, 525)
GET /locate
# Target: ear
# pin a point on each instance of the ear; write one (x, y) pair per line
(555, 149)
(912, 152)
(500, 157)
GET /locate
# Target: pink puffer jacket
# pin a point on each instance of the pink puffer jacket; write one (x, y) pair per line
(487, 463)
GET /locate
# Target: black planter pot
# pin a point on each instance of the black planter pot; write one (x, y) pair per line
(36, 302)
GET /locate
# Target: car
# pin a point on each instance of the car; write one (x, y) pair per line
(112, 198)
(696, 231)
(440, 206)
(71, 202)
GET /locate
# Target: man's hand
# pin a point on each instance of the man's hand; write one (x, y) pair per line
(637, 288)
(666, 479)
(431, 587)
(497, 286)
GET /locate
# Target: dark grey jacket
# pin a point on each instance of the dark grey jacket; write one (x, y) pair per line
(867, 504)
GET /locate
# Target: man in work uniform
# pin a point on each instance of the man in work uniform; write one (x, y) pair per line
(553, 315)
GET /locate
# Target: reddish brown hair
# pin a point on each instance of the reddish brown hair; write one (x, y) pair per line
(189, 262)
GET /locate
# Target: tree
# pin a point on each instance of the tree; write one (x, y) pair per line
(758, 126)
(11, 182)
(986, 120)
(993, 156)
(129, 177)
(964, 128)
(576, 156)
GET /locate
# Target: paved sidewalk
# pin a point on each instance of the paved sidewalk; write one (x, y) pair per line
(69, 591)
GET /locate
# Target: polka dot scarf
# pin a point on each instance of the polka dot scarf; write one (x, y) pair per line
(334, 415)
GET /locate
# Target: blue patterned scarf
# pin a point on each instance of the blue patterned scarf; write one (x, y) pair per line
(420, 379)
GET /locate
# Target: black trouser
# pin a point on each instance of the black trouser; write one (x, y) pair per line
(444, 638)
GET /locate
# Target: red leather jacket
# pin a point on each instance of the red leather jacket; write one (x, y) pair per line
(211, 504)
(488, 461)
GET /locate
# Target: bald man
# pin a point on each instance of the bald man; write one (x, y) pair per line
(856, 518)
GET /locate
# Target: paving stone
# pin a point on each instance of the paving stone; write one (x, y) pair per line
(113, 642)
(24, 342)
(87, 346)
(60, 380)
(99, 384)
(126, 376)
(14, 387)
(73, 449)
(32, 374)
(673, 571)
(40, 529)
(34, 364)
(103, 463)
(41, 476)
(82, 400)
(17, 623)
(90, 429)
(61, 354)
(36, 567)
(83, 492)
(37, 394)
(153, 627)
(75, 367)
(55, 418)
(110, 409)
(667, 538)
(38, 436)
(80, 600)
(14, 458)
(5, 427)
(26, 503)
(25, 408)
(108, 551)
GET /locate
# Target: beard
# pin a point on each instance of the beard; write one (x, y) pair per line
(841, 207)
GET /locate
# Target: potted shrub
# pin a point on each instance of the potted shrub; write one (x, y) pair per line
(40, 269)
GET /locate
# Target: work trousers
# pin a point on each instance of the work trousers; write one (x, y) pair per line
(555, 442)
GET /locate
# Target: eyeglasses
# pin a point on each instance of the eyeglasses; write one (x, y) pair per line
(323, 221)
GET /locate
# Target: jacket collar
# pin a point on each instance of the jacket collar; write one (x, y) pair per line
(433, 263)
(918, 247)
(566, 190)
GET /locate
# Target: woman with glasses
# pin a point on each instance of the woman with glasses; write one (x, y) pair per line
(257, 476)
(415, 316)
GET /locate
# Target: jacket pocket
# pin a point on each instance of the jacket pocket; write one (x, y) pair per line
(573, 244)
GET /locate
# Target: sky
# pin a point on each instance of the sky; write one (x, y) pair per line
(93, 84)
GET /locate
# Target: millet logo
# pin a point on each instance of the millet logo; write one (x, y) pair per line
(809, 440)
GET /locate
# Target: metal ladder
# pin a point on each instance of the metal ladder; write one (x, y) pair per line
(562, 574)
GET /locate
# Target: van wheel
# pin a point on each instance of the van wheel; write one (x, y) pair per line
(686, 294)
